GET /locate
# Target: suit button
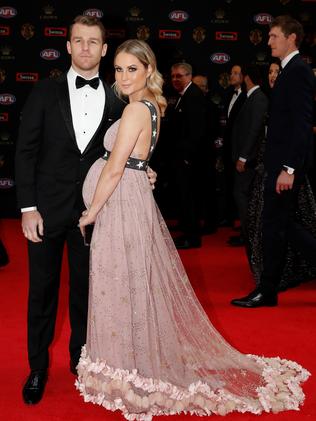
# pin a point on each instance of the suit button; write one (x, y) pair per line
(81, 159)
(77, 182)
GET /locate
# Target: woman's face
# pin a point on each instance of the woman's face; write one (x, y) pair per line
(130, 74)
(274, 70)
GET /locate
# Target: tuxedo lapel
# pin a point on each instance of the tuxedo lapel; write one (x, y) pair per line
(64, 103)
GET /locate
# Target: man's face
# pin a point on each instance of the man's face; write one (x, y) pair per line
(86, 48)
(180, 78)
(235, 77)
(281, 45)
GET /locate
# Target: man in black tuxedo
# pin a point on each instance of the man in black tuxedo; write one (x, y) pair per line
(232, 105)
(187, 133)
(61, 135)
(288, 149)
(247, 134)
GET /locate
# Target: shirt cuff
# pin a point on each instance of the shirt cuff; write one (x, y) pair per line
(242, 159)
(30, 208)
(289, 168)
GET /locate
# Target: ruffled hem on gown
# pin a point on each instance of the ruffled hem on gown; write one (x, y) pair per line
(140, 398)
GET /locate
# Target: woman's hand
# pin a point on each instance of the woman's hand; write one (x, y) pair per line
(152, 177)
(87, 218)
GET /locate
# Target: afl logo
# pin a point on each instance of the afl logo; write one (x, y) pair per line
(7, 99)
(95, 13)
(178, 15)
(7, 12)
(263, 18)
(50, 54)
(220, 58)
(6, 183)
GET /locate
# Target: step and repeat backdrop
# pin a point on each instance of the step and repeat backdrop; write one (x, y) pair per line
(212, 35)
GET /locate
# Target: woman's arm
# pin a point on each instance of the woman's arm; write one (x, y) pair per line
(132, 124)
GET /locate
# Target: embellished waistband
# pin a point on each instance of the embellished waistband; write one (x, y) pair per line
(133, 163)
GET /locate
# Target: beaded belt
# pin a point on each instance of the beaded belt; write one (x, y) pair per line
(133, 163)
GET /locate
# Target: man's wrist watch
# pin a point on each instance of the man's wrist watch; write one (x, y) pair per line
(289, 170)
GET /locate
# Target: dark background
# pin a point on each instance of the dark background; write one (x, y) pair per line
(176, 30)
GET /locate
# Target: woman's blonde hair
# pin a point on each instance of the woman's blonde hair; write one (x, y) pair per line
(142, 51)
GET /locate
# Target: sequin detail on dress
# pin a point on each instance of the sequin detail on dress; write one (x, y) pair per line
(151, 349)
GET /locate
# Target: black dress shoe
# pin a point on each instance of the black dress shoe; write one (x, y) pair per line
(34, 387)
(185, 243)
(256, 299)
(73, 367)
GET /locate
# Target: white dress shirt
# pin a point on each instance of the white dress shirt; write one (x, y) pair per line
(87, 106)
(233, 100)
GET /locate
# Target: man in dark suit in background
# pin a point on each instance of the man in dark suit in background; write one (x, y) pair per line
(288, 150)
(247, 134)
(187, 134)
(61, 135)
(232, 106)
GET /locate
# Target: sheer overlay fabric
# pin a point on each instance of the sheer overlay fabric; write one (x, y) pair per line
(151, 349)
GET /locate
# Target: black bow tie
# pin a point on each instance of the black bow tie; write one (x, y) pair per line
(80, 82)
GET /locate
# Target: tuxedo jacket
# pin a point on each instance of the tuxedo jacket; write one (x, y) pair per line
(188, 125)
(249, 127)
(50, 168)
(289, 137)
(230, 121)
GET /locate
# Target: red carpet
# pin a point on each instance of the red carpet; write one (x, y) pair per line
(217, 272)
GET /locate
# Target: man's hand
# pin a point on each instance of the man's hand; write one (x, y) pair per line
(152, 176)
(284, 182)
(32, 226)
(240, 166)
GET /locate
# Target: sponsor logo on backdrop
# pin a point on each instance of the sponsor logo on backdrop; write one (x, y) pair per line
(4, 30)
(263, 18)
(223, 80)
(48, 11)
(134, 15)
(7, 99)
(115, 33)
(50, 31)
(199, 34)
(5, 138)
(143, 32)
(305, 18)
(226, 36)
(55, 73)
(262, 58)
(7, 12)
(220, 58)
(6, 51)
(27, 30)
(169, 34)
(94, 13)
(307, 59)
(4, 117)
(3, 75)
(219, 16)
(178, 16)
(26, 77)
(255, 36)
(50, 54)
(6, 183)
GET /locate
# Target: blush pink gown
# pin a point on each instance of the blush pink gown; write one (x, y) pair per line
(151, 349)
